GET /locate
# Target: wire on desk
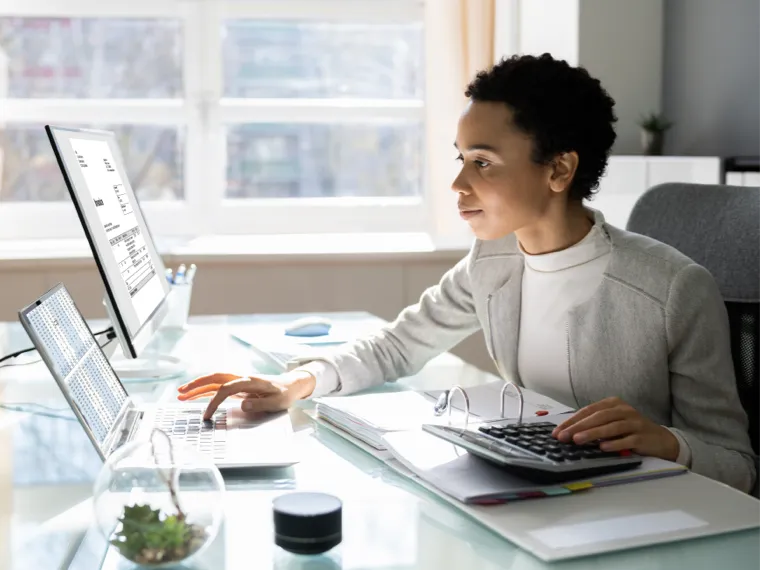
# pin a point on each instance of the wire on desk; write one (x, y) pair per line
(109, 331)
(45, 411)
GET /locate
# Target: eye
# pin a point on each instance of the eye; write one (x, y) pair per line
(482, 163)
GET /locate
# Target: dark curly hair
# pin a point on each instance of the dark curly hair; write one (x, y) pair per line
(561, 107)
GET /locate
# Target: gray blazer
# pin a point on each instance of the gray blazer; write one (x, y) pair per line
(655, 333)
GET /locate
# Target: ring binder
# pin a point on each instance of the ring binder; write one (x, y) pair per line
(520, 399)
(444, 402)
(466, 404)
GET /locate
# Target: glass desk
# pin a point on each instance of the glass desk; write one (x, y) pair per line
(48, 467)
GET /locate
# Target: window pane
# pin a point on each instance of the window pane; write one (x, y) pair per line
(90, 58)
(153, 157)
(265, 58)
(283, 161)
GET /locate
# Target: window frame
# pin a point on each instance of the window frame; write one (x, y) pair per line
(205, 115)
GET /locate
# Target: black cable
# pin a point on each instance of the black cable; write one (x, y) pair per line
(43, 410)
(109, 330)
(110, 337)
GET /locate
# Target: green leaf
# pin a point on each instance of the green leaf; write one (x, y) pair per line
(142, 528)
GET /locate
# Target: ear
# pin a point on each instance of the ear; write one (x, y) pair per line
(563, 170)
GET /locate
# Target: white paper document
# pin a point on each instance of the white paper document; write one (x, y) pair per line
(120, 224)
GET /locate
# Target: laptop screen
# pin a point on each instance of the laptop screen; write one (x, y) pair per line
(76, 361)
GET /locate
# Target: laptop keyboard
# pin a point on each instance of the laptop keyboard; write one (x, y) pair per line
(187, 426)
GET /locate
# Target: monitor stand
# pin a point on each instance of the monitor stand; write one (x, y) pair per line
(149, 366)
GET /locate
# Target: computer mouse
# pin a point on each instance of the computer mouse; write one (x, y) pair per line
(309, 326)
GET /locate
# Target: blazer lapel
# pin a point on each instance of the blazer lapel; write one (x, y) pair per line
(504, 322)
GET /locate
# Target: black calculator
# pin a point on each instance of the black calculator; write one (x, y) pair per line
(529, 450)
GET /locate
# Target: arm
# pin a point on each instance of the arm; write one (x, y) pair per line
(707, 414)
(444, 315)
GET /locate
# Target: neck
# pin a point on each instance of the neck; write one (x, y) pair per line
(558, 228)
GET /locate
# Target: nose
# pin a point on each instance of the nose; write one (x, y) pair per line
(460, 184)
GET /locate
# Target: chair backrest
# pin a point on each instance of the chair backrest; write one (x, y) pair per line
(719, 228)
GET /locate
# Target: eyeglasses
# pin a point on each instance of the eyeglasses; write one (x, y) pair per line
(444, 402)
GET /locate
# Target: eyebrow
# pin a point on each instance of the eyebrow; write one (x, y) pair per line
(478, 147)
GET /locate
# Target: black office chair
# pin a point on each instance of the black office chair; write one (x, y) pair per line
(719, 228)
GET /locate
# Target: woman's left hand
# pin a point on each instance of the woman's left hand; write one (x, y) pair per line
(619, 426)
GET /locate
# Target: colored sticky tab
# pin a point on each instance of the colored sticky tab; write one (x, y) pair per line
(487, 502)
(579, 486)
(531, 494)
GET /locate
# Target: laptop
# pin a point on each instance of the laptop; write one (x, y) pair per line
(111, 418)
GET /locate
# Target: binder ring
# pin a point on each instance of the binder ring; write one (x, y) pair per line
(466, 404)
(520, 400)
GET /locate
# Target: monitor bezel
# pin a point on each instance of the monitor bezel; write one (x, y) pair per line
(127, 340)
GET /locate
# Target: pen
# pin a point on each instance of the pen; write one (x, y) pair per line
(190, 275)
(179, 277)
(169, 277)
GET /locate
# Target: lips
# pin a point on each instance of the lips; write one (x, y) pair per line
(469, 213)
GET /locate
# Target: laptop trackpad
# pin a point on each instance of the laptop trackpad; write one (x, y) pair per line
(238, 419)
(259, 439)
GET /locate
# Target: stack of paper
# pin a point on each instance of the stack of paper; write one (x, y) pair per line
(369, 417)
(469, 479)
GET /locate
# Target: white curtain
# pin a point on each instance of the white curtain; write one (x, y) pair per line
(459, 42)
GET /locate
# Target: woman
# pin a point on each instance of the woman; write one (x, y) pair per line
(624, 328)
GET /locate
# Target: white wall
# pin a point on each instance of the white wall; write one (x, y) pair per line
(549, 26)
(620, 43)
(711, 82)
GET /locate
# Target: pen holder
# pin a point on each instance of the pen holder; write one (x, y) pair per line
(179, 306)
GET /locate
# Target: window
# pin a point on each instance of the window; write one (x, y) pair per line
(277, 116)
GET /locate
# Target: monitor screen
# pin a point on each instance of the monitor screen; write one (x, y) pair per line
(127, 258)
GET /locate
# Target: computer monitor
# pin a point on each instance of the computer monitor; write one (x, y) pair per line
(136, 289)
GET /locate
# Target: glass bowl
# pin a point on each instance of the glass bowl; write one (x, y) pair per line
(158, 503)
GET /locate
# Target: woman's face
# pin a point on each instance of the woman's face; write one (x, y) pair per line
(500, 188)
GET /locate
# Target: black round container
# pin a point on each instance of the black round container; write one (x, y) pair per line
(307, 523)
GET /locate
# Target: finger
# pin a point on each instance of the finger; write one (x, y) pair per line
(585, 412)
(222, 394)
(199, 392)
(629, 442)
(607, 431)
(190, 398)
(210, 395)
(596, 419)
(274, 403)
(215, 378)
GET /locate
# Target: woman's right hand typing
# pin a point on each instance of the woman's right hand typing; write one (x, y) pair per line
(260, 393)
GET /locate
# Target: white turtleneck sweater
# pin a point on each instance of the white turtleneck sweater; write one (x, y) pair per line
(552, 284)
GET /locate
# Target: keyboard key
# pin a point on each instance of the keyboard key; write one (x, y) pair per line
(537, 449)
(591, 453)
(555, 457)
